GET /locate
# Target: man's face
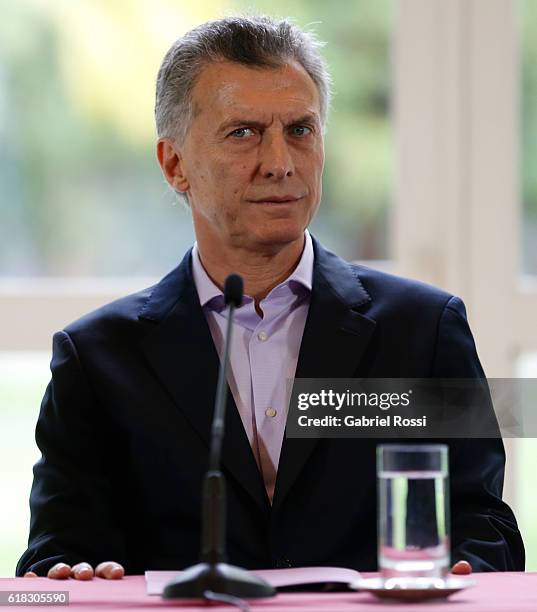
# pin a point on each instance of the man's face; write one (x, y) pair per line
(253, 156)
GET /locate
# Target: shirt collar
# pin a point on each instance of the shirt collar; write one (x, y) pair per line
(207, 289)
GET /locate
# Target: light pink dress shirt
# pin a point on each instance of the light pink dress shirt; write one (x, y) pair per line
(263, 353)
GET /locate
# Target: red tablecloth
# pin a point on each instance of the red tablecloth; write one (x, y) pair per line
(514, 591)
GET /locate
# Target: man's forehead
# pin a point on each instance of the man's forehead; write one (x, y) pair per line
(225, 87)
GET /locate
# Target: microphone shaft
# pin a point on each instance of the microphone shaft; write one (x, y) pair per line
(213, 548)
(218, 427)
(214, 487)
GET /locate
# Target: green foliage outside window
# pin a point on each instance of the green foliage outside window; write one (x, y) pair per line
(528, 123)
(82, 193)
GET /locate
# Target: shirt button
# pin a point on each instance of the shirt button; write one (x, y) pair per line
(270, 412)
(262, 335)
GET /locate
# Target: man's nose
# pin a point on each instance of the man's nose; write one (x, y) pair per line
(275, 157)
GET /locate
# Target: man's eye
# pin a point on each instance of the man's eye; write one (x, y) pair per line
(241, 132)
(300, 130)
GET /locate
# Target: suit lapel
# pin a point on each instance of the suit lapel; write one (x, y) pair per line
(335, 338)
(181, 352)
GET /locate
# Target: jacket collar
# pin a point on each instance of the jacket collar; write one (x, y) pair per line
(329, 272)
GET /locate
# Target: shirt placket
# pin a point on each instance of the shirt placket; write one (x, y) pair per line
(262, 350)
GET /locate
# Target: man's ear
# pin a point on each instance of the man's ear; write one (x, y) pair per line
(172, 164)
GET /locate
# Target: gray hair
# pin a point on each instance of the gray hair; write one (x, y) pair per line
(253, 40)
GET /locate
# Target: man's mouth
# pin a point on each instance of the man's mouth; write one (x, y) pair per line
(273, 199)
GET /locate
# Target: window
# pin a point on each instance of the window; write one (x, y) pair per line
(85, 214)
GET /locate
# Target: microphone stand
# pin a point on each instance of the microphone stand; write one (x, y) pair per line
(213, 574)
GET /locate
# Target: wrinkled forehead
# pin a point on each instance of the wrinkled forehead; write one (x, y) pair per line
(224, 87)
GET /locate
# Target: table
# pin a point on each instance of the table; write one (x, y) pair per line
(494, 592)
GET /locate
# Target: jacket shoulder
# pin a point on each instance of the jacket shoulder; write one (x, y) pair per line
(122, 313)
(149, 304)
(402, 292)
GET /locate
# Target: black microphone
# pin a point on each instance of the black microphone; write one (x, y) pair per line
(213, 574)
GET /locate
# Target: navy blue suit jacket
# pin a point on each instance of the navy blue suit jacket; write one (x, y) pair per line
(125, 421)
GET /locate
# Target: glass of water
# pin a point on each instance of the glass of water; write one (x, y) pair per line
(413, 510)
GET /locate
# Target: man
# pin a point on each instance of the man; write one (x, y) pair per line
(124, 425)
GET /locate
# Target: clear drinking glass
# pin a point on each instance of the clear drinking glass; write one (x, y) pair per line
(413, 510)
